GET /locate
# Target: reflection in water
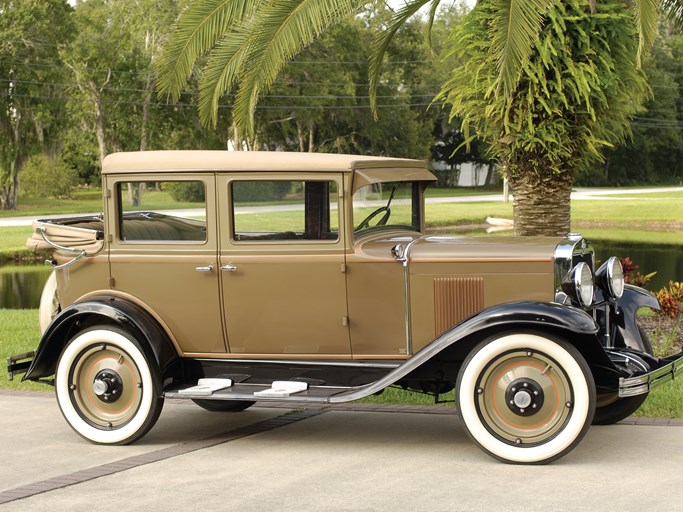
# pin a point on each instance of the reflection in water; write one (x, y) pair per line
(667, 261)
(20, 287)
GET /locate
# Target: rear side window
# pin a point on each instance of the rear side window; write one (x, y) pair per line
(166, 211)
(270, 210)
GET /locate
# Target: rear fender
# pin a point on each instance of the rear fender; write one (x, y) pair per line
(153, 341)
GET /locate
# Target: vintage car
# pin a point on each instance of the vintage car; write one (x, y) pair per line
(228, 278)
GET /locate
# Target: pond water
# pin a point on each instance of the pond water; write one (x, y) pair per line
(21, 286)
(666, 260)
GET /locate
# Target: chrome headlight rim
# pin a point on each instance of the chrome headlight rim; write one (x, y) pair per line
(610, 278)
(578, 284)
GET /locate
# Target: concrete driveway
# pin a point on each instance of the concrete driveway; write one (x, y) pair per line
(351, 459)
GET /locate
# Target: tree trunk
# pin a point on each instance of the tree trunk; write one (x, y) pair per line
(542, 204)
(99, 129)
(300, 137)
(9, 191)
(311, 137)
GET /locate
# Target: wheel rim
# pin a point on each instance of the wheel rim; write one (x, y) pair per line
(524, 398)
(105, 386)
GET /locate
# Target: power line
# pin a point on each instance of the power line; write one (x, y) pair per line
(125, 89)
(66, 99)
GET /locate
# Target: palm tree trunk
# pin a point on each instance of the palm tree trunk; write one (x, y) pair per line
(542, 203)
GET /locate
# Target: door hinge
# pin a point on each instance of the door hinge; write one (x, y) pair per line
(110, 238)
(112, 282)
(107, 193)
(345, 321)
(343, 268)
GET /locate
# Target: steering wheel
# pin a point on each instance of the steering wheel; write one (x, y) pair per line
(366, 221)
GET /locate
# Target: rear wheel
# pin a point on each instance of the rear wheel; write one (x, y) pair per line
(105, 387)
(223, 405)
(525, 397)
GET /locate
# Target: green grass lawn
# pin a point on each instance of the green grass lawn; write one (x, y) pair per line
(19, 333)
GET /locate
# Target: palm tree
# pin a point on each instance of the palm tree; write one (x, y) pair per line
(248, 42)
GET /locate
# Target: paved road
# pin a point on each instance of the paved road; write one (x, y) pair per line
(578, 195)
(340, 459)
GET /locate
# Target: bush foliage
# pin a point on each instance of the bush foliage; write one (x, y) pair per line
(45, 177)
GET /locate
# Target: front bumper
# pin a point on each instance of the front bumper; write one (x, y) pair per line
(670, 367)
(19, 364)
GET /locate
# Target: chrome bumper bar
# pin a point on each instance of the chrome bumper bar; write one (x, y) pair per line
(671, 366)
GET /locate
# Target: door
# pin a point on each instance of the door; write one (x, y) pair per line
(282, 265)
(164, 254)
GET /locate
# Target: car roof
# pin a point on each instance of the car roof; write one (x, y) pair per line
(151, 161)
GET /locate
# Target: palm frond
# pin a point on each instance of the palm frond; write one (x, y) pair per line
(381, 43)
(646, 14)
(284, 28)
(515, 27)
(430, 19)
(221, 73)
(198, 28)
(673, 11)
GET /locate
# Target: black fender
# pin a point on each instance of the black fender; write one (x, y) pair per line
(624, 315)
(148, 334)
(573, 324)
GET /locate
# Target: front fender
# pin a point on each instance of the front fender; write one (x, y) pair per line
(575, 325)
(151, 338)
(624, 316)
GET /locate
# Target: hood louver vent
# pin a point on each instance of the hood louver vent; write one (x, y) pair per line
(455, 299)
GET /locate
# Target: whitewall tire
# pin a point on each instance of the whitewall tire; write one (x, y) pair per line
(105, 388)
(525, 397)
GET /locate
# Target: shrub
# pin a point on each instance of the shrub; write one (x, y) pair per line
(632, 274)
(47, 177)
(186, 191)
(671, 299)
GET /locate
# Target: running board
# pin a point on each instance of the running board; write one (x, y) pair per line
(260, 392)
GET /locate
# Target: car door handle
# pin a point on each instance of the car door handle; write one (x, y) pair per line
(208, 268)
(229, 268)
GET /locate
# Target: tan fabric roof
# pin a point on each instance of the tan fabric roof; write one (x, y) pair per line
(247, 161)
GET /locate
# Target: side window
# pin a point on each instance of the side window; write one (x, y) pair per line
(284, 210)
(166, 211)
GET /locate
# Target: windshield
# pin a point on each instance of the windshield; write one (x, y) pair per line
(389, 205)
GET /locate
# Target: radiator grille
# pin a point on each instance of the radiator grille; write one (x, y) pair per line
(456, 298)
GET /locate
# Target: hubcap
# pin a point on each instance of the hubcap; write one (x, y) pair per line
(524, 396)
(105, 386)
(108, 386)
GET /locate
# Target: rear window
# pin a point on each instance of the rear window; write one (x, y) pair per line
(166, 211)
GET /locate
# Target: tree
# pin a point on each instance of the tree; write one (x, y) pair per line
(250, 42)
(113, 93)
(654, 152)
(31, 32)
(576, 94)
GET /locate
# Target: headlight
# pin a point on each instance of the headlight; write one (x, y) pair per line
(610, 278)
(578, 284)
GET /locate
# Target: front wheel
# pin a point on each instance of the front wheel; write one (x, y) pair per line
(525, 397)
(105, 387)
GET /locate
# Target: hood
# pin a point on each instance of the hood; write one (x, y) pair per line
(489, 248)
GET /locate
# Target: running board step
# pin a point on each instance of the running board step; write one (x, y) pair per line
(276, 391)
